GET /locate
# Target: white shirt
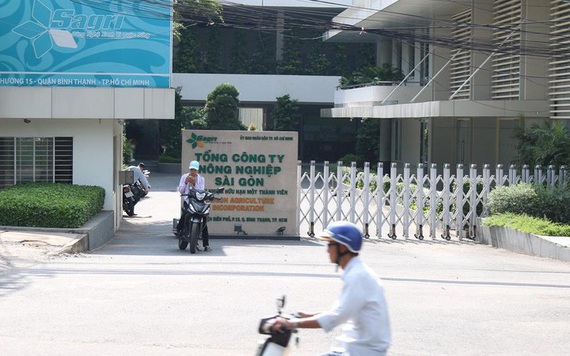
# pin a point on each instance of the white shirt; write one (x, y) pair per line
(363, 310)
(184, 188)
(139, 175)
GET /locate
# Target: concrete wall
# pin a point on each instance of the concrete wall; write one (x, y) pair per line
(522, 242)
(374, 95)
(259, 87)
(442, 140)
(410, 140)
(100, 229)
(86, 103)
(484, 141)
(535, 69)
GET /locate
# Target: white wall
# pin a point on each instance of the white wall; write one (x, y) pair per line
(92, 148)
(289, 3)
(92, 117)
(86, 103)
(259, 87)
(374, 95)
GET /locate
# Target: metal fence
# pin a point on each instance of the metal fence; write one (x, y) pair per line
(403, 201)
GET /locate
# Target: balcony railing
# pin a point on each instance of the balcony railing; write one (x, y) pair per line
(379, 93)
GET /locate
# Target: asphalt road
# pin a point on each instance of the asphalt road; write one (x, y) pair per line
(141, 295)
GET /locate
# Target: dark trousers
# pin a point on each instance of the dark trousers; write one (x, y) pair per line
(180, 226)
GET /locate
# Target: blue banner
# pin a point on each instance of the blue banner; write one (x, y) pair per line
(113, 43)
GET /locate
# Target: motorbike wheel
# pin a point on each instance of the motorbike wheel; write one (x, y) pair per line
(130, 208)
(194, 235)
(182, 244)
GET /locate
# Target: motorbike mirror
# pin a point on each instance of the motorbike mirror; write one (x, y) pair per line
(281, 302)
(221, 189)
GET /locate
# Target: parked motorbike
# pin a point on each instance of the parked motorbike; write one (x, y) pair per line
(144, 192)
(128, 200)
(146, 173)
(132, 193)
(196, 214)
(277, 344)
(138, 190)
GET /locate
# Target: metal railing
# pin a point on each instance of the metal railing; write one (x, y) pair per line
(394, 204)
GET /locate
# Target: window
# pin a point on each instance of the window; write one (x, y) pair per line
(35, 159)
(424, 68)
(252, 116)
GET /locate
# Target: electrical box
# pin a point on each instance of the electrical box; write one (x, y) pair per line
(126, 177)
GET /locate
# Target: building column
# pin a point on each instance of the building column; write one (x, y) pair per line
(279, 35)
(385, 149)
(383, 51)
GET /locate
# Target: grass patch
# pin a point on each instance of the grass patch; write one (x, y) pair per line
(529, 224)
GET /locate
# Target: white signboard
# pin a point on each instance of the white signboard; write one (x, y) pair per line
(259, 173)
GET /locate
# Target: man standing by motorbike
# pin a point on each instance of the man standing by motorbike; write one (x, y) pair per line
(361, 307)
(140, 176)
(188, 181)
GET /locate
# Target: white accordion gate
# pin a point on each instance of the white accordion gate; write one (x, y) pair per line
(393, 205)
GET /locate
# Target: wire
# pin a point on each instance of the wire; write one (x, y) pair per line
(265, 19)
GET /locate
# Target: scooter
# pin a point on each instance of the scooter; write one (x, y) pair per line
(146, 173)
(129, 200)
(144, 192)
(278, 342)
(196, 214)
(132, 193)
(138, 190)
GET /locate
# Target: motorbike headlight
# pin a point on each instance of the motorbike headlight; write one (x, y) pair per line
(200, 195)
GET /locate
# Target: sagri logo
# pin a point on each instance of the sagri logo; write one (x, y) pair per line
(48, 28)
(198, 140)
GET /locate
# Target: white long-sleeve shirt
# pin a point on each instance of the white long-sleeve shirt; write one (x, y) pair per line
(184, 188)
(139, 175)
(363, 310)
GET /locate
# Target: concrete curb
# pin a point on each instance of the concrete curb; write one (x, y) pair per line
(78, 245)
(522, 242)
(95, 233)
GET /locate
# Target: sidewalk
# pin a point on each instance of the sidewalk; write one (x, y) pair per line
(24, 246)
(23, 249)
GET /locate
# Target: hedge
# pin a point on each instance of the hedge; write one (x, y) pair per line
(53, 205)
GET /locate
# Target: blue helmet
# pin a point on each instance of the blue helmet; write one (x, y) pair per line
(345, 233)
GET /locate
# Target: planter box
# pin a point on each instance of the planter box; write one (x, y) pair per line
(174, 168)
(522, 242)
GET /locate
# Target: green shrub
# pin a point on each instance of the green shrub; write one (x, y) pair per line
(372, 184)
(164, 158)
(529, 224)
(517, 199)
(551, 203)
(128, 150)
(53, 205)
(534, 200)
(349, 158)
(466, 205)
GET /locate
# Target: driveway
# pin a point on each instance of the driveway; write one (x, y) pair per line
(141, 295)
